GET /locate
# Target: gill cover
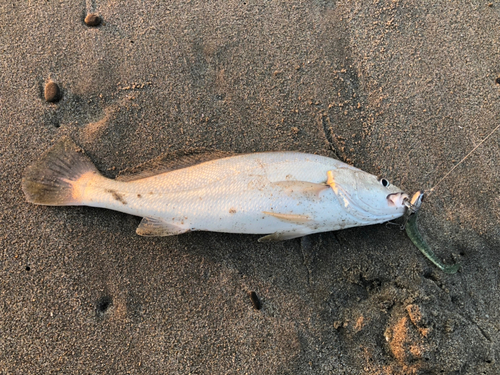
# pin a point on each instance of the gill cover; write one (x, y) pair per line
(366, 197)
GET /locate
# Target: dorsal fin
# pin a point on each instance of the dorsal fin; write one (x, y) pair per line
(171, 161)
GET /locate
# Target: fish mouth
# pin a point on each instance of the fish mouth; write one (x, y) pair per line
(397, 199)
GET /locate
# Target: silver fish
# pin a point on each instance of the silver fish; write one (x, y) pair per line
(283, 195)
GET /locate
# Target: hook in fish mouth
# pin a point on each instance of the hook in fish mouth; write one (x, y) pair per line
(412, 206)
(397, 199)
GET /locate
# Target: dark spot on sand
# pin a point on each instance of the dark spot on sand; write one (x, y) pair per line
(52, 93)
(498, 81)
(117, 196)
(430, 276)
(28, 268)
(232, 210)
(103, 304)
(139, 196)
(92, 20)
(257, 304)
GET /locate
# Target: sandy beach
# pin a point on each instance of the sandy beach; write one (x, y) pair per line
(400, 89)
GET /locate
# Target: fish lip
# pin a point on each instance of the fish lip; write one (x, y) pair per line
(397, 199)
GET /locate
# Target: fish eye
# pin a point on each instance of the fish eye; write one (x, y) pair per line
(384, 182)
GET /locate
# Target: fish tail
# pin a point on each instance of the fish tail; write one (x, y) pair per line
(53, 180)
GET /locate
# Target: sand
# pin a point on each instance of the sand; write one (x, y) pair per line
(402, 89)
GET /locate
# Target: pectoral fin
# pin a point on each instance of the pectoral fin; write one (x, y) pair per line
(330, 181)
(150, 227)
(290, 218)
(282, 236)
(305, 189)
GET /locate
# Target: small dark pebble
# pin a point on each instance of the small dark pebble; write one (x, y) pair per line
(92, 20)
(498, 80)
(103, 304)
(52, 92)
(255, 300)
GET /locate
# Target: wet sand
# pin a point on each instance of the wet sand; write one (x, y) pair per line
(399, 89)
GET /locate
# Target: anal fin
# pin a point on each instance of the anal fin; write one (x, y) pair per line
(151, 227)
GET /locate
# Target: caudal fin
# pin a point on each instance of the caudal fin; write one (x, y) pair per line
(50, 180)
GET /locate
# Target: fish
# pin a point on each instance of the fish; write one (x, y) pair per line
(280, 195)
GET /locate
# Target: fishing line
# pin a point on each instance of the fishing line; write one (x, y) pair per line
(429, 192)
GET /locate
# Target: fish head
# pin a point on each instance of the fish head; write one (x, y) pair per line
(368, 197)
